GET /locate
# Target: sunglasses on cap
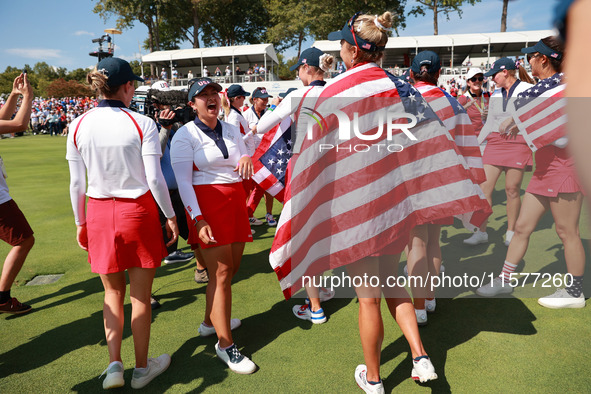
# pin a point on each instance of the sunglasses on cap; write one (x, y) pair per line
(529, 57)
(474, 79)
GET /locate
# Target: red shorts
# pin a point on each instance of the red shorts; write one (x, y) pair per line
(223, 207)
(124, 233)
(14, 228)
(504, 152)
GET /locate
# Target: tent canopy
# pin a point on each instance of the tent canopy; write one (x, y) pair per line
(213, 56)
(399, 50)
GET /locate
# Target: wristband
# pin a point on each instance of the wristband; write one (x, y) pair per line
(272, 107)
(197, 219)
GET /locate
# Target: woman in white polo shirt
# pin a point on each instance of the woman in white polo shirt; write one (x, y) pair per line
(209, 159)
(120, 151)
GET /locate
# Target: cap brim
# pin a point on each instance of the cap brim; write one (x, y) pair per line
(295, 66)
(136, 78)
(491, 72)
(528, 50)
(336, 36)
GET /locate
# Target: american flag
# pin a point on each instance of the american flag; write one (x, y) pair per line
(271, 157)
(346, 204)
(458, 123)
(541, 112)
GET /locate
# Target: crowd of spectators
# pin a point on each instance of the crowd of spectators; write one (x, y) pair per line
(53, 116)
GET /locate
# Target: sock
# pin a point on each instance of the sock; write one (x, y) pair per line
(206, 325)
(115, 363)
(141, 371)
(416, 360)
(576, 288)
(200, 271)
(4, 296)
(378, 382)
(227, 347)
(509, 235)
(508, 268)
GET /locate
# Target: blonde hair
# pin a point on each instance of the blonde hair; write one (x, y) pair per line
(99, 83)
(226, 103)
(374, 29)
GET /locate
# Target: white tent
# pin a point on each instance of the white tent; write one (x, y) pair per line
(239, 55)
(451, 48)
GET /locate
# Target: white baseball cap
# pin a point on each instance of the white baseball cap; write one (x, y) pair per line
(160, 85)
(474, 71)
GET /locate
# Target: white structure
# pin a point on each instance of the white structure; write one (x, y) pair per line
(242, 56)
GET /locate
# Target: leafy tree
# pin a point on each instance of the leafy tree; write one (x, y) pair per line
(63, 88)
(445, 7)
(335, 13)
(78, 74)
(282, 69)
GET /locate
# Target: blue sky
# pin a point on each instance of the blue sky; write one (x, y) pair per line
(60, 33)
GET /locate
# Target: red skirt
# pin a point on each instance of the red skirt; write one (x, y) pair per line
(124, 233)
(555, 173)
(223, 207)
(503, 152)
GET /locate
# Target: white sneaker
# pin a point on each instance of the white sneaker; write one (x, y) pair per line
(479, 237)
(206, 331)
(305, 313)
(114, 376)
(441, 270)
(421, 317)
(326, 294)
(155, 367)
(361, 379)
(423, 370)
(270, 220)
(495, 287)
(235, 360)
(561, 299)
(430, 305)
(254, 221)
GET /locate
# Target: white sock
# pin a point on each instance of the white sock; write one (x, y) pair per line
(509, 235)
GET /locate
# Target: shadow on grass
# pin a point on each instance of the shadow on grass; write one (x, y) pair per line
(443, 333)
(55, 343)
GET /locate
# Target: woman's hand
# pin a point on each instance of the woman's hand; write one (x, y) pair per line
(82, 236)
(172, 230)
(244, 167)
(254, 129)
(276, 101)
(509, 128)
(205, 233)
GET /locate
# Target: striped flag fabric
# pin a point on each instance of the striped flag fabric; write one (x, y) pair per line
(271, 158)
(540, 112)
(357, 188)
(458, 123)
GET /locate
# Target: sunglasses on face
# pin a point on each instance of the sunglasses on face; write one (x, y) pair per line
(529, 57)
(474, 79)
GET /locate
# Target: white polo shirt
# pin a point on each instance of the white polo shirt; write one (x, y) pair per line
(111, 142)
(191, 144)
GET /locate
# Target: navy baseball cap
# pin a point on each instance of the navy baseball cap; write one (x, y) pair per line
(426, 58)
(236, 90)
(288, 91)
(260, 93)
(543, 49)
(310, 57)
(117, 70)
(503, 63)
(199, 85)
(347, 33)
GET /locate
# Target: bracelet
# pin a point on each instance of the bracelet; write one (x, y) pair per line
(272, 107)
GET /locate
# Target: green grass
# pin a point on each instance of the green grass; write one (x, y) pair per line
(477, 345)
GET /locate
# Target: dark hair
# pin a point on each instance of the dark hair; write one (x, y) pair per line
(556, 45)
(425, 76)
